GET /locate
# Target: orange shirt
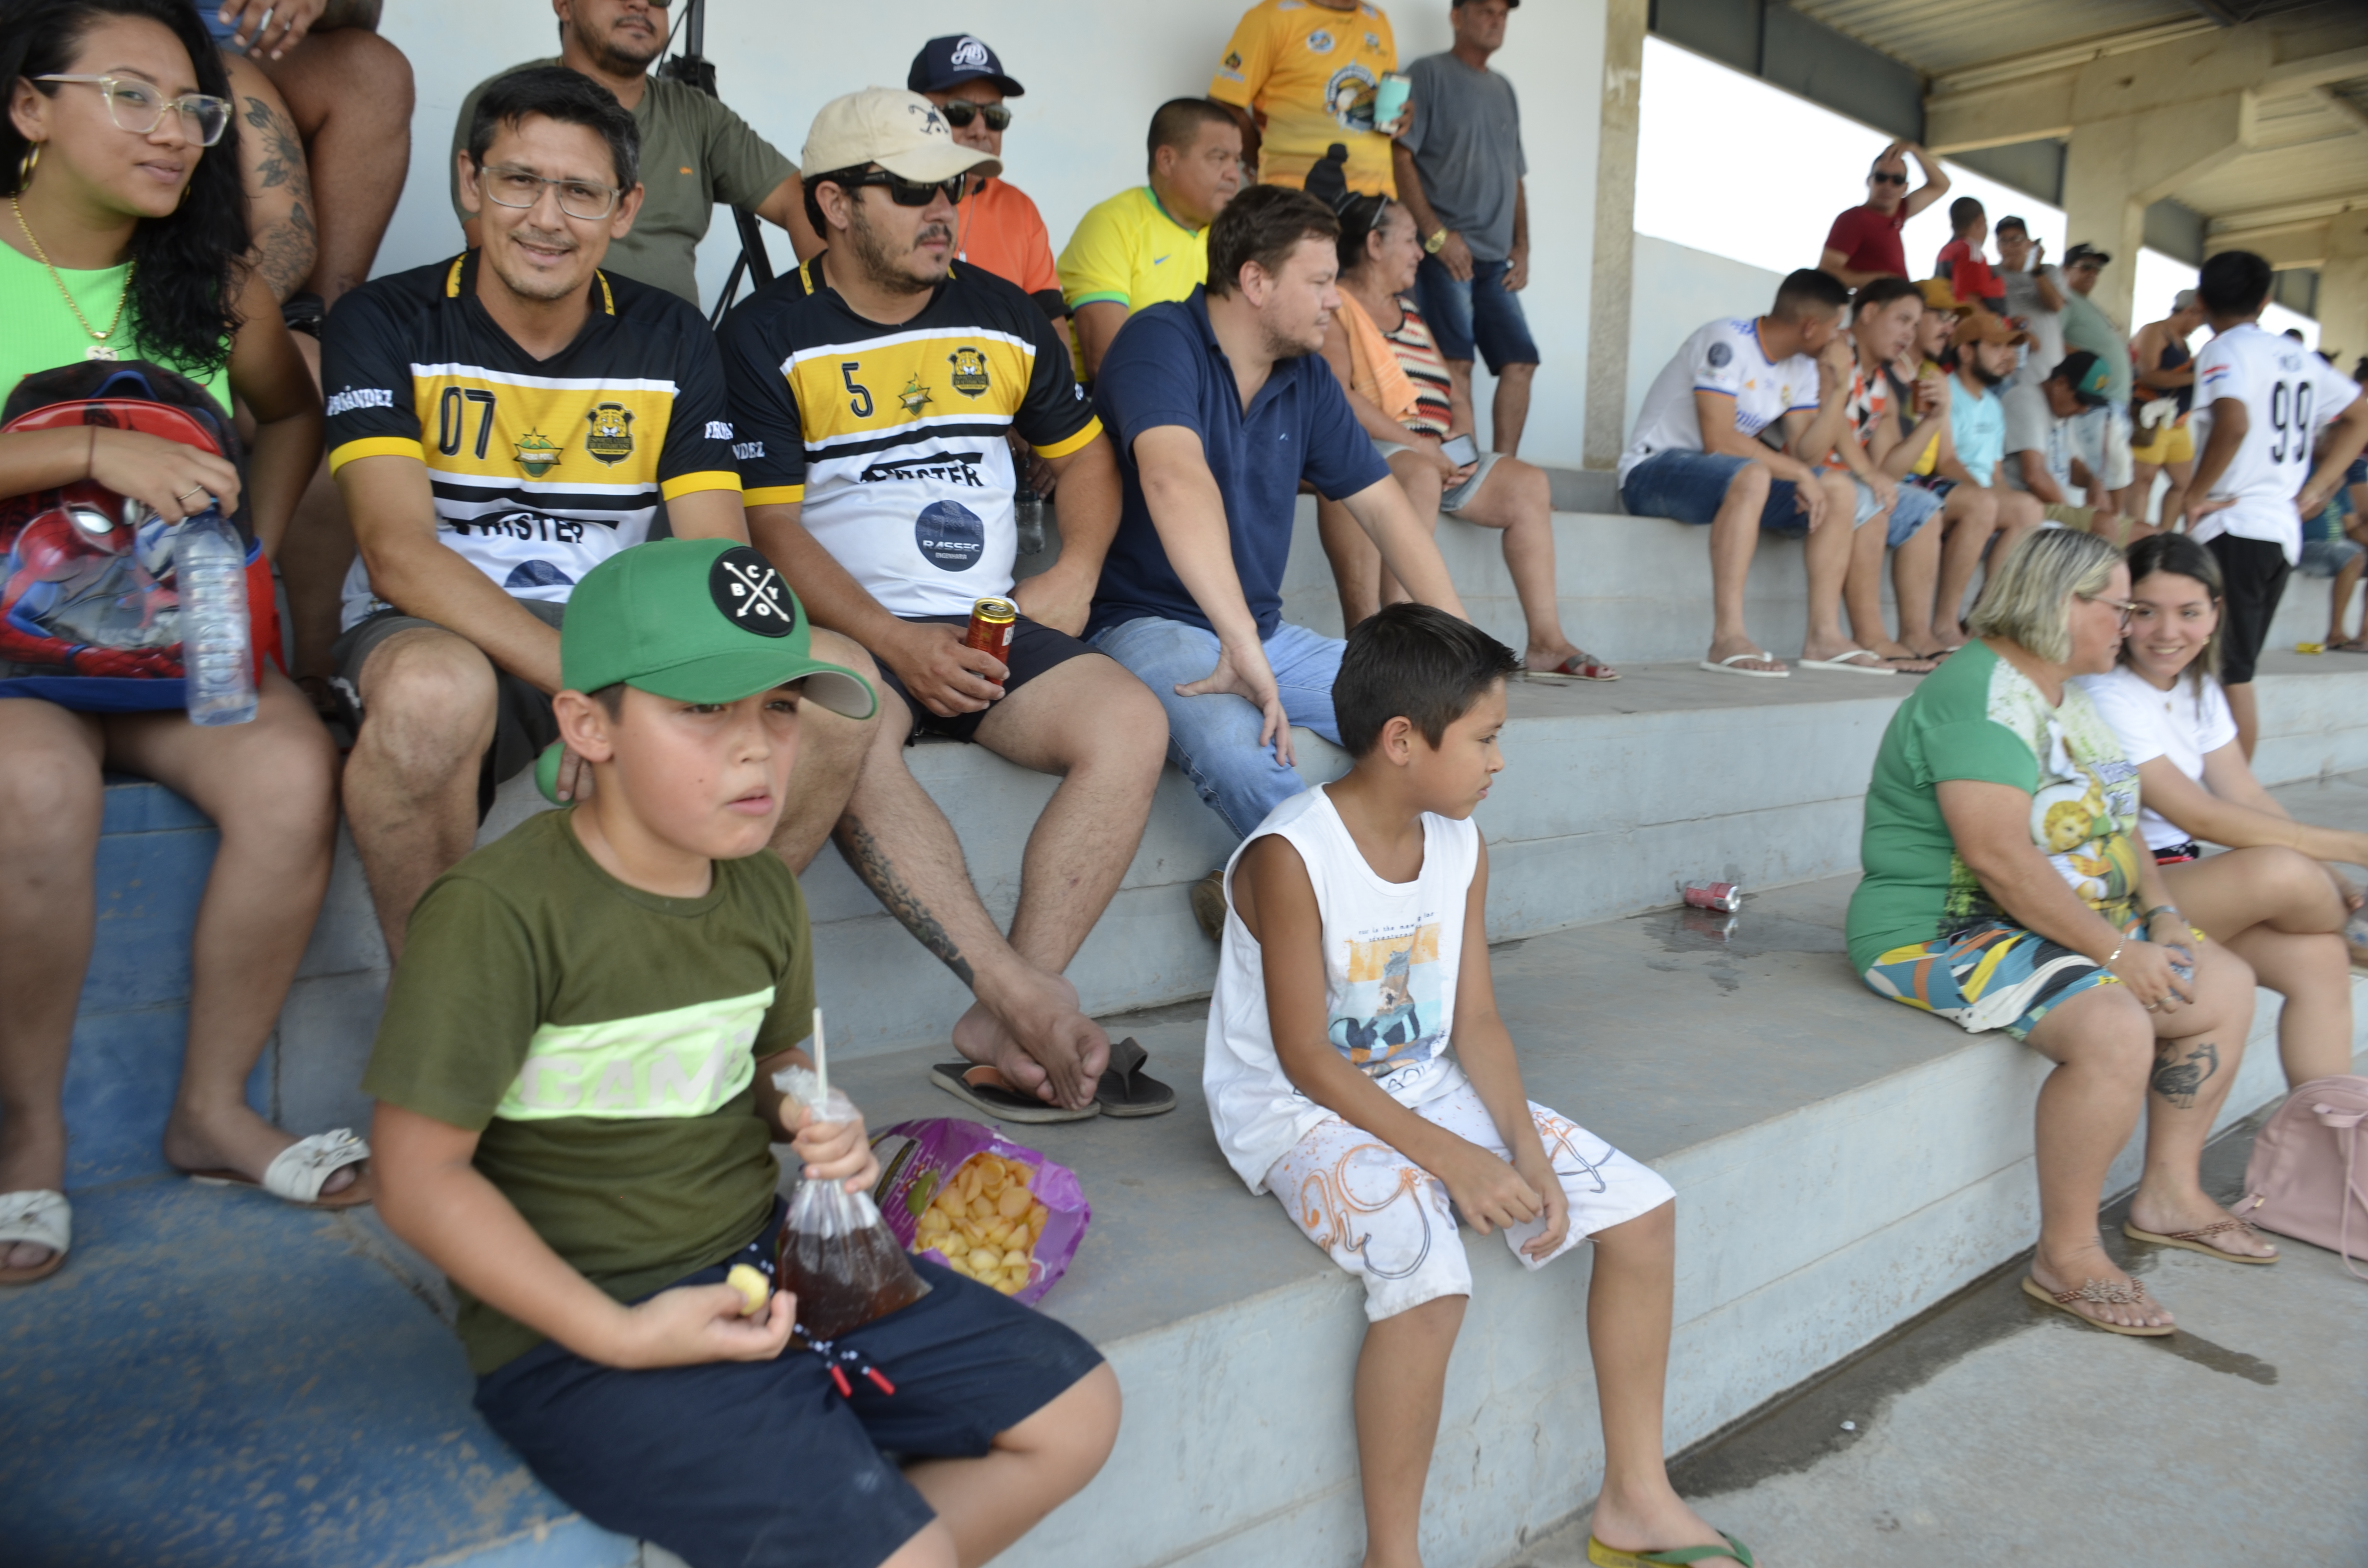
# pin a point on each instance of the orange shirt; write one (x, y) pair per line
(1001, 232)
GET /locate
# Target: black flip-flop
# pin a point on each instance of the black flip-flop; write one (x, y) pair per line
(983, 1089)
(1124, 1089)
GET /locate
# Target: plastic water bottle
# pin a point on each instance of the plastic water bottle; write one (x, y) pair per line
(217, 656)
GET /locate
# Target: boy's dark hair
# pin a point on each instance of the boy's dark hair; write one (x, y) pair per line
(1264, 224)
(2234, 283)
(1413, 662)
(1881, 292)
(2011, 221)
(568, 96)
(611, 699)
(1961, 211)
(1809, 289)
(1177, 123)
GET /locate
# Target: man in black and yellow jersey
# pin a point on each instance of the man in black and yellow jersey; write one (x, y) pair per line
(499, 424)
(874, 391)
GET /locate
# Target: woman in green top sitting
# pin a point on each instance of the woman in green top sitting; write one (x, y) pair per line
(124, 229)
(2004, 889)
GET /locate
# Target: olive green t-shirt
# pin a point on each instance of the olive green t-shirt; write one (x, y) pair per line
(695, 153)
(1979, 717)
(604, 1041)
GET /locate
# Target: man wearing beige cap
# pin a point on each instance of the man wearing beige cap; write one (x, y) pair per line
(873, 392)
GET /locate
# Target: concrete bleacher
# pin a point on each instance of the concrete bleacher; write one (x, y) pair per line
(219, 1379)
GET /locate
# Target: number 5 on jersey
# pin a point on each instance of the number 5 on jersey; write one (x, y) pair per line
(859, 402)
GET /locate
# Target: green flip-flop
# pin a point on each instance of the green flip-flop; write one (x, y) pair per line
(1604, 1556)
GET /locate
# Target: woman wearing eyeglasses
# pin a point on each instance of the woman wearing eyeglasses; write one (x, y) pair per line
(2275, 898)
(121, 240)
(2005, 889)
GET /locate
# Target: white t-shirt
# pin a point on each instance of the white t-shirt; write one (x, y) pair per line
(2288, 392)
(1724, 356)
(2032, 427)
(1391, 954)
(2046, 351)
(2184, 724)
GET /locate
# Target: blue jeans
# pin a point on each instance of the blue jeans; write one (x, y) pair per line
(1213, 740)
(1692, 487)
(1478, 312)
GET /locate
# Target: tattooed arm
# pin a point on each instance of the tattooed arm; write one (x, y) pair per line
(279, 187)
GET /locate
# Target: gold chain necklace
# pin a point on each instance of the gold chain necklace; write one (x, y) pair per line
(43, 257)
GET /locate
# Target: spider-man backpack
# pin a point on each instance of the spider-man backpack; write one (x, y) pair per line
(89, 618)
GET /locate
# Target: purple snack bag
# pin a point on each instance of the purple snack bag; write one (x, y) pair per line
(917, 1158)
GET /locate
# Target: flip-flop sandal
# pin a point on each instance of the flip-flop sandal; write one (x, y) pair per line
(1124, 1091)
(1857, 662)
(2104, 1292)
(41, 1217)
(983, 1089)
(1581, 665)
(1604, 1556)
(296, 1172)
(1728, 666)
(2193, 1241)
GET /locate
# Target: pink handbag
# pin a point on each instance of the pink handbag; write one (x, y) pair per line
(2306, 1177)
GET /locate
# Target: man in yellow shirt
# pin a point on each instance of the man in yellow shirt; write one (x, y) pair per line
(1301, 75)
(1150, 245)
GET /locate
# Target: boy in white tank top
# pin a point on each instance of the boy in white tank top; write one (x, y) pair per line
(1358, 1069)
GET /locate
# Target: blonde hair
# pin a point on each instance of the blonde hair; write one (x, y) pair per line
(2029, 597)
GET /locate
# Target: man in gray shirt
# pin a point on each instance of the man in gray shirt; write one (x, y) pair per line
(1459, 170)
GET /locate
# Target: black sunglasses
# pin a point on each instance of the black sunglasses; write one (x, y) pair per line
(1880, 179)
(901, 191)
(959, 114)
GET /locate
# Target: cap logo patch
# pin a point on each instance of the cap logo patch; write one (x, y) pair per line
(751, 593)
(611, 442)
(970, 55)
(932, 123)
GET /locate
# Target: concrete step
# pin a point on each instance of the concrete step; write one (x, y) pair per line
(218, 1377)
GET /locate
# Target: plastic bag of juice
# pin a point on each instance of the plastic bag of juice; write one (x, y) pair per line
(844, 1264)
(961, 1193)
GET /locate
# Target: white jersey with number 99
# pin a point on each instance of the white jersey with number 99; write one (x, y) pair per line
(2290, 394)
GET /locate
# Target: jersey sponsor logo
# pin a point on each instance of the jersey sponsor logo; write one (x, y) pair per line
(968, 55)
(536, 455)
(718, 430)
(611, 442)
(1233, 60)
(528, 574)
(952, 468)
(915, 397)
(532, 526)
(1319, 42)
(1158, 261)
(949, 536)
(1720, 355)
(1372, 40)
(750, 594)
(353, 398)
(748, 451)
(969, 377)
(1349, 95)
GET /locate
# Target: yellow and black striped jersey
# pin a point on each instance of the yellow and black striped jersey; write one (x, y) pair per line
(894, 437)
(542, 469)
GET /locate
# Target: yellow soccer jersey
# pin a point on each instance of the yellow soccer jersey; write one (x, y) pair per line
(892, 438)
(1310, 73)
(542, 469)
(1128, 251)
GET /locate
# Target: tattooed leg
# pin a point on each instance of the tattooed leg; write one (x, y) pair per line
(2178, 1078)
(349, 93)
(2196, 1056)
(279, 187)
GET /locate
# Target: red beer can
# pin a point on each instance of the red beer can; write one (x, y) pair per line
(1723, 896)
(993, 622)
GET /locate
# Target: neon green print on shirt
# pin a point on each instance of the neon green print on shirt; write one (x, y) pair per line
(690, 1061)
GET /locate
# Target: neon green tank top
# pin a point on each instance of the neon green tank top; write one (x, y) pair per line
(37, 333)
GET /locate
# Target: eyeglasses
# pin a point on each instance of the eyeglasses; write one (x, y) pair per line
(1881, 178)
(578, 199)
(901, 191)
(959, 114)
(138, 109)
(2123, 609)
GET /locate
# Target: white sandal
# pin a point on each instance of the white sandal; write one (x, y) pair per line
(42, 1218)
(296, 1172)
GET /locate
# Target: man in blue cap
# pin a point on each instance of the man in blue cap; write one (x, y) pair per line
(999, 228)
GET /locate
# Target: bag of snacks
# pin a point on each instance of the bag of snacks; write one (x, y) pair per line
(836, 1254)
(963, 1194)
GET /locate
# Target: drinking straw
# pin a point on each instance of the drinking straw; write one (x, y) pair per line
(822, 1068)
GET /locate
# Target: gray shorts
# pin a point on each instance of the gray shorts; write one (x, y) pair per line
(1452, 501)
(523, 722)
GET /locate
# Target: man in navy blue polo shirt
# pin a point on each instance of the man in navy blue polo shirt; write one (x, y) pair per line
(1220, 408)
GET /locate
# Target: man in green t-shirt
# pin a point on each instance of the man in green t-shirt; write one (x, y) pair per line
(575, 1085)
(695, 152)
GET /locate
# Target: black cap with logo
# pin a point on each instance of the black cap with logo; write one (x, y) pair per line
(950, 62)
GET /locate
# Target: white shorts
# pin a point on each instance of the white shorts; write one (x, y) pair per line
(1387, 1221)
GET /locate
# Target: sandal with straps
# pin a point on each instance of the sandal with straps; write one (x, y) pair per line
(2103, 1293)
(1604, 1556)
(42, 1217)
(2197, 1240)
(297, 1172)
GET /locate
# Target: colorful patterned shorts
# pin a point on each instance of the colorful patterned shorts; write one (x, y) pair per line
(1387, 1221)
(1991, 976)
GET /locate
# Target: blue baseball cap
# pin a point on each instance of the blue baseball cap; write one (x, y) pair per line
(949, 62)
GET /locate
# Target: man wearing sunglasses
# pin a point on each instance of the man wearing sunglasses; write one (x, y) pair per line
(695, 152)
(998, 227)
(873, 392)
(1865, 244)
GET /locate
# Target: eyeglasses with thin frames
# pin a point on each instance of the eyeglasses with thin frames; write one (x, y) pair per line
(2123, 609)
(959, 114)
(578, 199)
(138, 108)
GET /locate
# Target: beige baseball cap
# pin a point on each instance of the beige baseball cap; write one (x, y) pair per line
(901, 131)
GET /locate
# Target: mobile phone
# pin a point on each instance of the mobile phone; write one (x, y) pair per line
(1461, 450)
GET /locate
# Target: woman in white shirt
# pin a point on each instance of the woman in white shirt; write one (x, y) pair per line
(2272, 898)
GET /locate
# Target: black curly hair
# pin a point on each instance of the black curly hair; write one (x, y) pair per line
(184, 287)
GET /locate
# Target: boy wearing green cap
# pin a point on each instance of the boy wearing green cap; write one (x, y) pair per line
(576, 1104)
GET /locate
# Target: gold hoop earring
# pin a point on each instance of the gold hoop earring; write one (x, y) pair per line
(26, 165)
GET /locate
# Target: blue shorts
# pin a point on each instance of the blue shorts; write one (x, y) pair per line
(1691, 486)
(765, 1463)
(2325, 557)
(2358, 473)
(1915, 507)
(1478, 312)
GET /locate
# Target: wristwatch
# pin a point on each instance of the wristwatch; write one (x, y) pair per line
(1435, 243)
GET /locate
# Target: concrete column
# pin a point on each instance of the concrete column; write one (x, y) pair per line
(1615, 233)
(2343, 287)
(2115, 168)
